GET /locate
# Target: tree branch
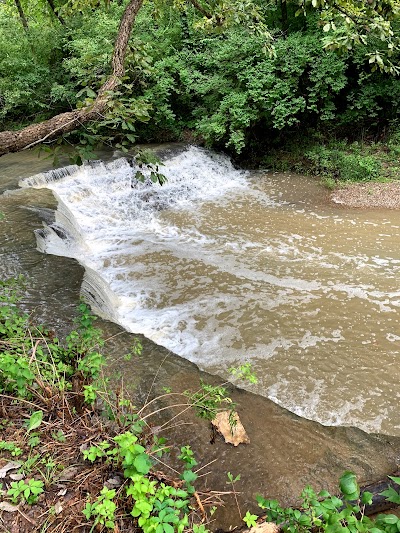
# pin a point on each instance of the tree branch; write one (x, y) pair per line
(15, 141)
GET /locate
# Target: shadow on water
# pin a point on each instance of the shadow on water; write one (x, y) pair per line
(285, 452)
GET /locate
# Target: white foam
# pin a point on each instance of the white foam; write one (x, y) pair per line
(160, 261)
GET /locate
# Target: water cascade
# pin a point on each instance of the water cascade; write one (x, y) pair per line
(223, 267)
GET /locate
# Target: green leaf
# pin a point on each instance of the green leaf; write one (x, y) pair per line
(324, 494)
(35, 420)
(366, 498)
(349, 486)
(142, 463)
(395, 479)
(189, 476)
(391, 495)
(390, 519)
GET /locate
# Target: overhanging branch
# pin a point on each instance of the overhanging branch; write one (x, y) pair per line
(15, 141)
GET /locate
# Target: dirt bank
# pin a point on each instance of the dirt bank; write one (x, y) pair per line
(379, 195)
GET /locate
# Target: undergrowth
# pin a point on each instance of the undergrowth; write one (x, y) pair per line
(77, 455)
(59, 414)
(337, 161)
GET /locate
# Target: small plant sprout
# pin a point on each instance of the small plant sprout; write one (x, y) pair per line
(27, 490)
(244, 373)
(33, 440)
(102, 509)
(208, 400)
(231, 481)
(250, 519)
(59, 435)
(11, 447)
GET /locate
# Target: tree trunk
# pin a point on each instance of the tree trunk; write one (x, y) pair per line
(22, 15)
(54, 11)
(379, 502)
(284, 15)
(15, 141)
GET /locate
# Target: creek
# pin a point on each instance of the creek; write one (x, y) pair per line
(220, 266)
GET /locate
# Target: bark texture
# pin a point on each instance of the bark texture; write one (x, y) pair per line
(22, 15)
(15, 141)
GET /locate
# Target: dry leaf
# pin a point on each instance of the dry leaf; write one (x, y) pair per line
(5, 506)
(69, 473)
(12, 465)
(233, 434)
(58, 508)
(17, 477)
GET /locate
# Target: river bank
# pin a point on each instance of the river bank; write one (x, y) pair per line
(368, 195)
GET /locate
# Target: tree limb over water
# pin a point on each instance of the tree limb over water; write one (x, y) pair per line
(15, 141)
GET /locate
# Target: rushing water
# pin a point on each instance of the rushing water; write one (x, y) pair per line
(221, 243)
(222, 267)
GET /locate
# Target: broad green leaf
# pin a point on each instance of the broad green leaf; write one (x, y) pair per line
(35, 420)
(390, 519)
(391, 495)
(349, 486)
(142, 463)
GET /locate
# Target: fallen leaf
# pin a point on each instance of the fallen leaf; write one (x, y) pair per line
(233, 434)
(8, 508)
(62, 492)
(58, 508)
(17, 477)
(69, 473)
(114, 482)
(12, 465)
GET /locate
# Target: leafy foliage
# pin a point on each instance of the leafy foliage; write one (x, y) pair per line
(228, 74)
(51, 362)
(324, 512)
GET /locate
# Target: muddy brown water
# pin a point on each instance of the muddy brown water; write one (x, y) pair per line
(326, 347)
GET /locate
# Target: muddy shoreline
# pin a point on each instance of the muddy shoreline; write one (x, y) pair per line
(369, 195)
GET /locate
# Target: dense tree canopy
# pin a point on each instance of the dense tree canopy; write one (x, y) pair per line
(227, 72)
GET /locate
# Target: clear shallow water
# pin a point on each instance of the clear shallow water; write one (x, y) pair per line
(222, 267)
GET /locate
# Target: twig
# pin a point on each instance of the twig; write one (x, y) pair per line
(200, 504)
(205, 466)
(26, 517)
(19, 399)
